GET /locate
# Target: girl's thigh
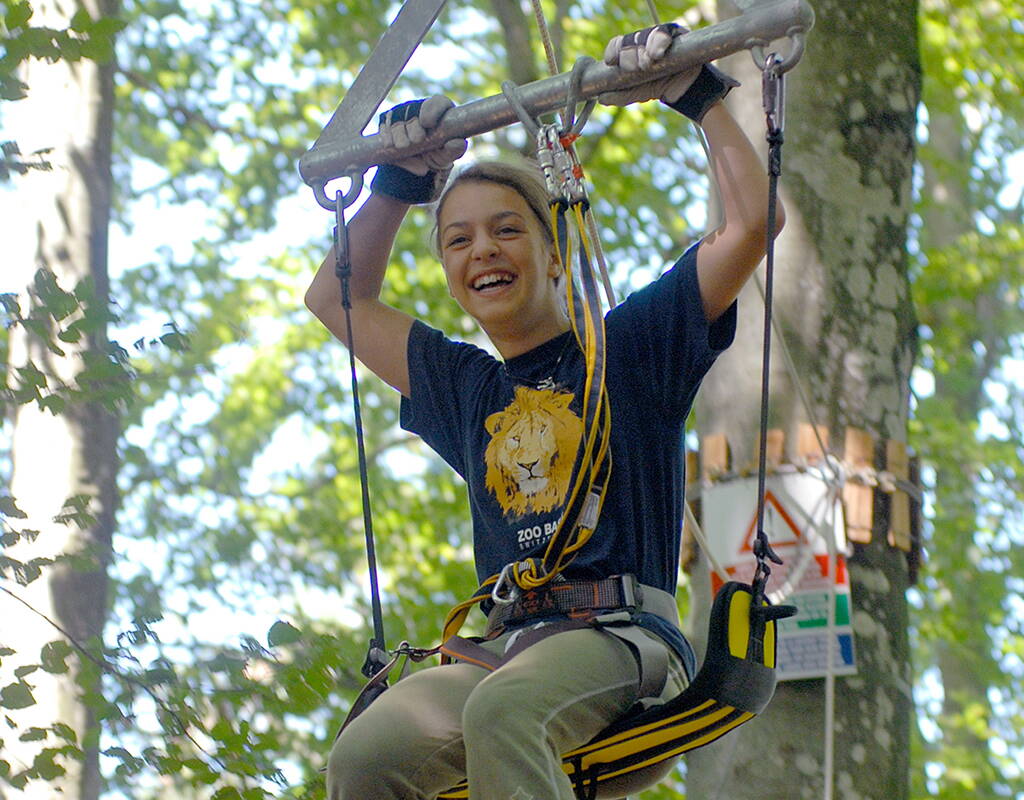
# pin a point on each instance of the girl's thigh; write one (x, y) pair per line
(408, 743)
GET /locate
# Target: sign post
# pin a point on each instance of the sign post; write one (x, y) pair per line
(804, 522)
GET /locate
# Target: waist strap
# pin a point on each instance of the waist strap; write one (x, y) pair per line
(621, 593)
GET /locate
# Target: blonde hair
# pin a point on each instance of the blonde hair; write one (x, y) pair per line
(523, 177)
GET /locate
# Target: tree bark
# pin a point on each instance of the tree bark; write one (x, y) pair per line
(842, 298)
(59, 456)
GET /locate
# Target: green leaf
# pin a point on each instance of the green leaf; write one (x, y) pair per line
(17, 15)
(46, 766)
(10, 509)
(53, 403)
(53, 656)
(10, 304)
(81, 21)
(108, 26)
(282, 633)
(65, 732)
(16, 695)
(33, 735)
(158, 676)
(71, 334)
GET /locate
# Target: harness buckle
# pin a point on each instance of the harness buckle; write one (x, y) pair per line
(632, 593)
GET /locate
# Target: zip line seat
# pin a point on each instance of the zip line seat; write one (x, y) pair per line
(735, 682)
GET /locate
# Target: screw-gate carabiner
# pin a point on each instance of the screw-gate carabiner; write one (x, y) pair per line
(773, 93)
(562, 171)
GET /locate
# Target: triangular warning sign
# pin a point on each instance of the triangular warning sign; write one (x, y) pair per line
(787, 533)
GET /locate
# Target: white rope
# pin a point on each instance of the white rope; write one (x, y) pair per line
(545, 37)
(830, 645)
(595, 237)
(798, 383)
(702, 540)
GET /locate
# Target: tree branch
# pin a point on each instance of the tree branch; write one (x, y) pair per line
(110, 669)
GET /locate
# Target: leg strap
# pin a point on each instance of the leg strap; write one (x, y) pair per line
(651, 657)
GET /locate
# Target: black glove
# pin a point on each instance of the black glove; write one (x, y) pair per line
(691, 93)
(420, 178)
(710, 86)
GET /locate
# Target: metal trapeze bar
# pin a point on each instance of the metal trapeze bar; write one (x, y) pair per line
(764, 22)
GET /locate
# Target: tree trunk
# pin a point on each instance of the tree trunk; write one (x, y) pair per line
(73, 453)
(842, 298)
(963, 653)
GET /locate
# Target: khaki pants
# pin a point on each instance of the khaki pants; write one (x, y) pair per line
(504, 730)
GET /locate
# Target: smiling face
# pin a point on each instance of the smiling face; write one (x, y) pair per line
(500, 266)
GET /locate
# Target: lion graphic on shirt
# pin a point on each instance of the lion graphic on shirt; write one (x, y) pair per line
(532, 451)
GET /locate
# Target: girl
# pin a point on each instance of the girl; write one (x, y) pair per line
(511, 429)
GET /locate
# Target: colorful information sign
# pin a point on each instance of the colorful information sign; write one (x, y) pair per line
(804, 522)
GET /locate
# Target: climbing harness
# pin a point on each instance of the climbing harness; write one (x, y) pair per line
(564, 178)
(737, 678)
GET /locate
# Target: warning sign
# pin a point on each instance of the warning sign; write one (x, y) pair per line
(804, 523)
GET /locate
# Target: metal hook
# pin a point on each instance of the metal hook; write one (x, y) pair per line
(796, 35)
(348, 198)
(571, 125)
(511, 92)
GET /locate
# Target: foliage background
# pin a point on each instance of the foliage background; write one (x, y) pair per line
(240, 499)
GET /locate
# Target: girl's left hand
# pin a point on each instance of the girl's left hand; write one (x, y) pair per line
(691, 92)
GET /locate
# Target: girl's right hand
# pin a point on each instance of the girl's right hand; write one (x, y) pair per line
(419, 178)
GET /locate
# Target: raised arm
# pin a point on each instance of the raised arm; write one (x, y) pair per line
(380, 332)
(729, 255)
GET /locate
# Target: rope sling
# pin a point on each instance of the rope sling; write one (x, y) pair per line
(737, 677)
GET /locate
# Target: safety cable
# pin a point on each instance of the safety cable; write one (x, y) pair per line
(773, 95)
(773, 99)
(376, 655)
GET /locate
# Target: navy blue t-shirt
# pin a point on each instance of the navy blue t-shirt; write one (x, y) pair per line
(511, 429)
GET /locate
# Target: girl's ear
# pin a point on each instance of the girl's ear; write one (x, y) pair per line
(554, 264)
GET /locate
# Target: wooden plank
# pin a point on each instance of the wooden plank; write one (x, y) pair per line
(776, 449)
(692, 465)
(897, 462)
(858, 498)
(714, 456)
(807, 448)
(915, 554)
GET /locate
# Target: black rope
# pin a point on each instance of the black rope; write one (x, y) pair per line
(376, 655)
(762, 547)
